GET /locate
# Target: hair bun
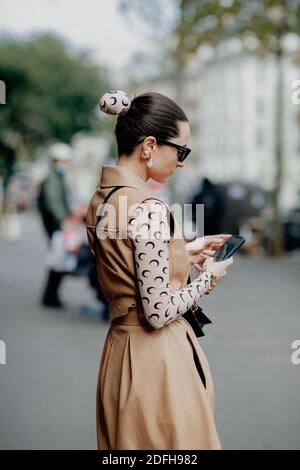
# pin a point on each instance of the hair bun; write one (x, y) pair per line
(114, 102)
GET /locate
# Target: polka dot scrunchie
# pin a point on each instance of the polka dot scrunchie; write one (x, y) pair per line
(115, 102)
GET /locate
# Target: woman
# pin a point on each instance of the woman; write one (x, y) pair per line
(150, 394)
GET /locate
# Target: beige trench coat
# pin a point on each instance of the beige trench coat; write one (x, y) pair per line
(149, 392)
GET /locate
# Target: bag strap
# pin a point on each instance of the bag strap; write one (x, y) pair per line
(100, 215)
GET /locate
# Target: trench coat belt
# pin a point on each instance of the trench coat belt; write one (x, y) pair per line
(127, 310)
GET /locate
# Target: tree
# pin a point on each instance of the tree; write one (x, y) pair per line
(51, 93)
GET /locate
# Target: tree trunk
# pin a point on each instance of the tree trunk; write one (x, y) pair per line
(179, 82)
(276, 245)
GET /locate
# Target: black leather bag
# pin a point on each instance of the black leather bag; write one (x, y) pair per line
(196, 318)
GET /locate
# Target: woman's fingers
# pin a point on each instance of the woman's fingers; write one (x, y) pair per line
(198, 267)
(215, 241)
(227, 262)
(208, 252)
(224, 236)
(207, 242)
(219, 238)
(209, 239)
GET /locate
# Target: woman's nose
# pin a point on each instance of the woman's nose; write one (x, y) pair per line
(180, 165)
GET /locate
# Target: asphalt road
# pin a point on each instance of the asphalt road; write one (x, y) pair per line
(47, 386)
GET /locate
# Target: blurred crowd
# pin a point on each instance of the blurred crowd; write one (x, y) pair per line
(63, 221)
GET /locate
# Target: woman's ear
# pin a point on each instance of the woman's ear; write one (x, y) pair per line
(150, 144)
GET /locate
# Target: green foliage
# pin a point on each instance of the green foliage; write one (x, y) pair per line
(211, 21)
(51, 91)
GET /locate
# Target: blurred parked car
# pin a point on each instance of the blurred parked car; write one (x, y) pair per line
(291, 226)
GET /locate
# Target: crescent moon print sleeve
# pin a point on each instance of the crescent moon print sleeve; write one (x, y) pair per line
(149, 231)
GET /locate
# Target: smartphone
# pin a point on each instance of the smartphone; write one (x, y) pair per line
(229, 247)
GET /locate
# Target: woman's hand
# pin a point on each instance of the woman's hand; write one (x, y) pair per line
(217, 267)
(200, 249)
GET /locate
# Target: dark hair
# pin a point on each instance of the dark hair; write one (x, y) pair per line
(149, 114)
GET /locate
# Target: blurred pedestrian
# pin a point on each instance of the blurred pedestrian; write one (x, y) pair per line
(54, 208)
(214, 207)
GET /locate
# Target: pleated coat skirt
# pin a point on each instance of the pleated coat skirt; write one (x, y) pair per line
(150, 393)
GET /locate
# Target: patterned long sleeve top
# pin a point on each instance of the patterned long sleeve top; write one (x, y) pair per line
(149, 230)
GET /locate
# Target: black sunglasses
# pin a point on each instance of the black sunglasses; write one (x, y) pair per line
(182, 152)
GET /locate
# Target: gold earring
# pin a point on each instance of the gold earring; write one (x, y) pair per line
(144, 153)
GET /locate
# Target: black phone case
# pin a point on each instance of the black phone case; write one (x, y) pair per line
(228, 255)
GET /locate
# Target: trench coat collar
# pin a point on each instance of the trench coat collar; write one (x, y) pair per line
(116, 175)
